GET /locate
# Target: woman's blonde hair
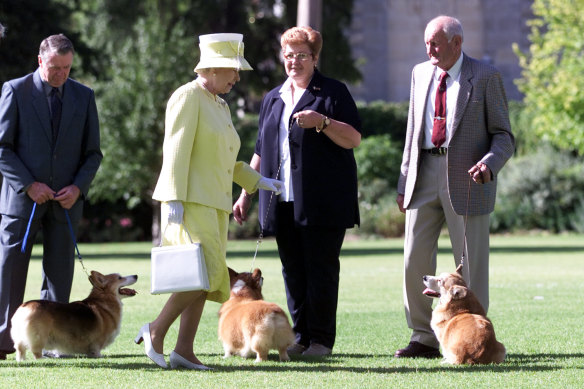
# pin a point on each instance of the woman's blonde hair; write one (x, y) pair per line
(302, 35)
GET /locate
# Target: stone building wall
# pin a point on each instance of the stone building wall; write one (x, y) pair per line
(387, 39)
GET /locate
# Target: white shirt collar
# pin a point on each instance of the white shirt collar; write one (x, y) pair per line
(286, 86)
(453, 72)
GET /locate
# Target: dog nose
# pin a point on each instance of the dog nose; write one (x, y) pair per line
(425, 278)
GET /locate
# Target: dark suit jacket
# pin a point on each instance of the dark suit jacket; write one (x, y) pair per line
(480, 132)
(26, 150)
(324, 175)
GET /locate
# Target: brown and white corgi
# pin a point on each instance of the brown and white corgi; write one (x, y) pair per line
(81, 327)
(248, 324)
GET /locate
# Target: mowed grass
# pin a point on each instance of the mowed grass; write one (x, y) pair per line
(537, 289)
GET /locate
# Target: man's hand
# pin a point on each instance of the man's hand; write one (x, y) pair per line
(400, 203)
(40, 193)
(68, 196)
(480, 173)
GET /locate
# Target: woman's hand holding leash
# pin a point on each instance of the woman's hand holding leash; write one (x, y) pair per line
(271, 184)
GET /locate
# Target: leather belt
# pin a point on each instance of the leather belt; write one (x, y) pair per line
(436, 151)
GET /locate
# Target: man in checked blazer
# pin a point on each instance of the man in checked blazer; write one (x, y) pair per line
(453, 182)
(52, 167)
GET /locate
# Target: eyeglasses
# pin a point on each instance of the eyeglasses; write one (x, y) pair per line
(299, 56)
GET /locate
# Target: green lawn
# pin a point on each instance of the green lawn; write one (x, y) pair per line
(537, 289)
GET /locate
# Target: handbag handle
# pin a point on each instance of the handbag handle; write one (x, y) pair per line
(186, 230)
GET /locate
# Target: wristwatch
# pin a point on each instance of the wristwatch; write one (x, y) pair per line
(324, 124)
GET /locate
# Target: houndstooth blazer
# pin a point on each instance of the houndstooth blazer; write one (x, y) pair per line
(481, 132)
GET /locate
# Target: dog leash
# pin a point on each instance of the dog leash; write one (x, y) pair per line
(465, 248)
(23, 248)
(261, 236)
(75, 241)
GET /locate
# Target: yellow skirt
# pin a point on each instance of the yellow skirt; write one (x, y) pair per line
(207, 226)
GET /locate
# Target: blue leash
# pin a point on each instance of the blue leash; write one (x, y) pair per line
(23, 249)
(73, 235)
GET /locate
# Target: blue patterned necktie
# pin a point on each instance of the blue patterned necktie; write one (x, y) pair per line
(56, 106)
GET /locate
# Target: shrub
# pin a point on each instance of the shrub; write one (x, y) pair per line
(526, 140)
(378, 157)
(380, 117)
(544, 190)
(380, 215)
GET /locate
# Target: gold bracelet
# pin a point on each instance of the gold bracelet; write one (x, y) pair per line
(323, 124)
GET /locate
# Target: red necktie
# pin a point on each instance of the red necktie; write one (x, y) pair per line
(439, 128)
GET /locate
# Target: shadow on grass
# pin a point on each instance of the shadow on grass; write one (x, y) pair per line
(534, 358)
(137, 255)
(346, 252)
(360, 252)
(332, 363)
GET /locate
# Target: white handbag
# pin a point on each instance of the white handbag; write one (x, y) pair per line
(178, 268)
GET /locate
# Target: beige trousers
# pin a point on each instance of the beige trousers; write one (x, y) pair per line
(429, 209)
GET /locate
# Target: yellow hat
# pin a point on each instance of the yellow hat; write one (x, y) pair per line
(222, 51)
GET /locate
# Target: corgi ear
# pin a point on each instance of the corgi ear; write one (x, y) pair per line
(257, 273)
(96, 277)
(257, 277)
(232, 273)
(459, 269)
(458, 292)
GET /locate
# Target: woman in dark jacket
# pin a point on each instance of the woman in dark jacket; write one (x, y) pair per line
(308, 128)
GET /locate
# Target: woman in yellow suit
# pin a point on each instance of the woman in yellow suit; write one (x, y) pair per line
(198, 168)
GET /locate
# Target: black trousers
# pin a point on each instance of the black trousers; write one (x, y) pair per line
(310, 267)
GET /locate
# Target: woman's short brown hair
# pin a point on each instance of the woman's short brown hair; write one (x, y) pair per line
(302, 35)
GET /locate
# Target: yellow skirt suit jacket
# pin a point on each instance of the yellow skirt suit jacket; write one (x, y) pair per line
(198, 168)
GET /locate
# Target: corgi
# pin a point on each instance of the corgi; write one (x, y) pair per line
(81, 327)
(248, 324)
(460, 323)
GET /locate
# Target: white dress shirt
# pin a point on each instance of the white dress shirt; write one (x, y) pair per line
(290, 102)
(452, 88)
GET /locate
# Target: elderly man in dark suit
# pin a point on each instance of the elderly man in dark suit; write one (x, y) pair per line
(49, 154)
(458, 139)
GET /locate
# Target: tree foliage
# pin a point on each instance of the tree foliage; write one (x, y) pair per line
(134, 54)
(148, 50)
(27, 23)
(552, 73)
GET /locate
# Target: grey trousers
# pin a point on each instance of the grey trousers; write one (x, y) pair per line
(57, 264)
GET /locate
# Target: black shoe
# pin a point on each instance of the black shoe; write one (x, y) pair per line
(418, 350)
(4, 353)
